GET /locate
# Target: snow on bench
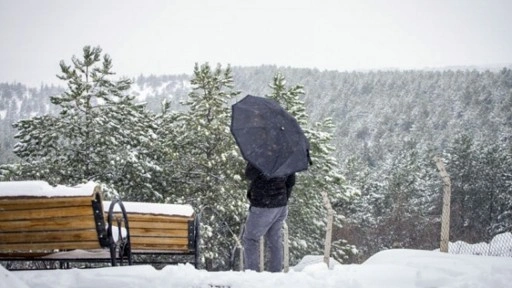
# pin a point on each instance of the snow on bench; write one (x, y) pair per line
(28, 189)
(156, 209)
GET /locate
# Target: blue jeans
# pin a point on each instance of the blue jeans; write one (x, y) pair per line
(266, 222)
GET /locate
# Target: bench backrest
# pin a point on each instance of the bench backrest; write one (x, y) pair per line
(160, 227)
(35, 219)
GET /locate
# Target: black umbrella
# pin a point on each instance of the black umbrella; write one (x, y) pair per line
(269, 137)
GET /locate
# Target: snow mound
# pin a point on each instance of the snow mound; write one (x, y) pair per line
(314, 262)
(7, 279)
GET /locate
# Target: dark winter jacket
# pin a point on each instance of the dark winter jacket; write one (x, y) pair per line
(268, 192)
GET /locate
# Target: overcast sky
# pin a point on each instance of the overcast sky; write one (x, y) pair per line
(169, 36)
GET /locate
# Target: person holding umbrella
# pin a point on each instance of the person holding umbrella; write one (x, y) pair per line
(275, 148)
(268, 210)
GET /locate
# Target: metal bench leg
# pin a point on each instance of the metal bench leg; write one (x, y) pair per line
(124, 242)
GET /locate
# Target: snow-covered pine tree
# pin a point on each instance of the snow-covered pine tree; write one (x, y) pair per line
(496, 163)
(360, 217)
(408, 195)
(400, 206)
(481, 197)
(307, 214)
(462, 167)
(100, 134)
(207, 163)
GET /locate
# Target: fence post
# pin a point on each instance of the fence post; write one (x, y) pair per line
(286, 249)
(241, 257)
(241, 249)
(445, 218)
(262, 254)
(328, 228)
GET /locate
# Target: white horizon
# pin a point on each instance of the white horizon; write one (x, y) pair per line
(161, 37)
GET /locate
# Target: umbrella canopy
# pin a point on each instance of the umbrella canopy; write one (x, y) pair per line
(269, 137)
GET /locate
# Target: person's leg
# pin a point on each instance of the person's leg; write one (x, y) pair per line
(274, 241)
(257, 224)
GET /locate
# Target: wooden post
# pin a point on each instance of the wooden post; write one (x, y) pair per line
(445, 218)
(241, 257)
(239, 242)
(328, 231)
(286, 249)
(262, 254)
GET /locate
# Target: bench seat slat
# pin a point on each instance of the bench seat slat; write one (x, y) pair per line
(161, 248)
(24, 203)
(54, 224)
(136, 241)
(45, 237)
(157, 225)
(156, 249)
(46, 213)
(145, 232)
(38, 247)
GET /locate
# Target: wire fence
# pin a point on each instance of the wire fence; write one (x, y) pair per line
(500, 245)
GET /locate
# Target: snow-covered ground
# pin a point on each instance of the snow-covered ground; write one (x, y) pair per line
(392, 268)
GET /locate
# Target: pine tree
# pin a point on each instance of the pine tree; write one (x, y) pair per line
(494, 199)
(481, 189)
(207, 162)
(100, 134)
(462, 166)
(400, 203)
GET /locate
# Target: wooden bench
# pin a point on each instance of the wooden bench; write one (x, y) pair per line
(167, 230)
(39, 222)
